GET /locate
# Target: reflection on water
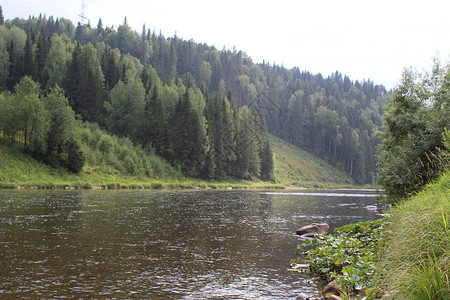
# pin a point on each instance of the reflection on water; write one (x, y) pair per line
(161, 244)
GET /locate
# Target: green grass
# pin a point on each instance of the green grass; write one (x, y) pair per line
(416, 259)
(294, 166)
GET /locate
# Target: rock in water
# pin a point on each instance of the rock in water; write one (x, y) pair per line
(302, 296)
(314, 228)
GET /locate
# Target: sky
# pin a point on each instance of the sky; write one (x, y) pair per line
(364, 39)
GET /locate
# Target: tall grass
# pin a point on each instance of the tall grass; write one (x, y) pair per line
(416, 258)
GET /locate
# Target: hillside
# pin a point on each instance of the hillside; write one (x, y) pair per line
(294, 166)
(138, 81)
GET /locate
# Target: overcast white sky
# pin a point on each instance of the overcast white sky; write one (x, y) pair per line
(362, 39)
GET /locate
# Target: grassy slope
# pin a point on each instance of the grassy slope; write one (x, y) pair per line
(416, 260)
(18, 169)
(294, 166)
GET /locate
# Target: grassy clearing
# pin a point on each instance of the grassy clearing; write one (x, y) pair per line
(294, 166)
(416, 258)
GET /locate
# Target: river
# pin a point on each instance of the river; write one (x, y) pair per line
(162, 244)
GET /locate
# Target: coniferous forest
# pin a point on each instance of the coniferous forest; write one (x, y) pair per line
(206, 111)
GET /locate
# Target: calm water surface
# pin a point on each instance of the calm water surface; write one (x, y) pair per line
(162, 244)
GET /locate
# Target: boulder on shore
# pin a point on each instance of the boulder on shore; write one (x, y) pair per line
(313, 229)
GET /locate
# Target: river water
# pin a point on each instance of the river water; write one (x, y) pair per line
(162, 244)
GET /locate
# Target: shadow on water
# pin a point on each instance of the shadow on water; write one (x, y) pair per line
(162, 244)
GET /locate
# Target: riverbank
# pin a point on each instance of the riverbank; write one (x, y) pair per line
(20, 171)
(415, 260)
(405, 255)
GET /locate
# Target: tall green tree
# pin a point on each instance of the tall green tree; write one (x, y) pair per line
(32, 115)
(57, 61)
(248, 162)
(222, 132)
(414, 120)
(187, 138)
(29, 55)
(42, 48)
(155, 123)
(126, 109)
(85, 84)
(62, 148)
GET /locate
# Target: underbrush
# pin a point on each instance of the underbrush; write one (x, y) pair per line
(349, 257)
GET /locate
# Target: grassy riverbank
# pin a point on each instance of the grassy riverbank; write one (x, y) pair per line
(405, 255)
(415, 262)
(293, 167)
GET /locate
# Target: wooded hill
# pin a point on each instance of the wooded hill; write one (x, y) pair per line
(205, 110)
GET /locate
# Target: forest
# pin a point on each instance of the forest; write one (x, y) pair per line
(206, 111)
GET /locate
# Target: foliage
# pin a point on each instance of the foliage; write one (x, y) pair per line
(348, 256)
(415, 261)
(44, 124)
(354, 107)
(417, 113)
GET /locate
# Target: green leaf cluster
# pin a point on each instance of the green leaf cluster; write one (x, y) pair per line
(348, 256)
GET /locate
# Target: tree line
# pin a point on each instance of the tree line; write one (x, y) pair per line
(204, 136)
(334, 117)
